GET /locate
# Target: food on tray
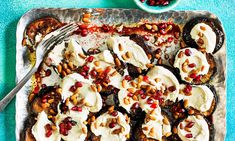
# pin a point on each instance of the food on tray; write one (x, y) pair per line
(199, 98)
(121, 83)
(194, 128)
(204, 33)
(194, 66)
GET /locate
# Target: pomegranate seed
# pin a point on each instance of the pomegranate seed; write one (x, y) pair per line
(112, 125)
(165, 3)
(105, 28)
(114, 113)
(161, 100)
(163, 25)
(141, 92)
(44, 100)
(36, 90)
(83, 73)
(75, 108)
(86, 68)
(170, 39)
(84, 32)
(150, 100)
(189, 87)
(135, 105)
(142, 1)
(143, 96)
(154, 106)
(83, 26)
(146, 37)
(181, 110)
(188, 135)
(94, 73)
(69, 126)
(162, 31)
(130, 94)
(48, 133)
(187, 52)
(190, 124)
(128, 77)
(79, 109)
(192, 65)
(198, 78)
(78, 84)
(159, 93)
(73, 123)
(90, 58)
(146, 78)
(72, 88)
(193, 75)
(43, 86)
(48, 72)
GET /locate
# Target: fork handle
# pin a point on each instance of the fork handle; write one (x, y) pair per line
(6, 100)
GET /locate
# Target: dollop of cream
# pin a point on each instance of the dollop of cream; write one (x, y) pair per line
(39, 132)
(201, 97)
(198, 132)
(162, 79)
(183, 61)
(92, 99)
(204, 32)
(100, 128)
(154, 127)
(138, 56)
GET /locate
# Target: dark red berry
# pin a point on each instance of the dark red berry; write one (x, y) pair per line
(79, 109)
(78, 84)
(48, 72)
(93, 73)
(128, 77)
(72, 88)
(43, 86)
(114, 113)
(84, 32)
(90, 58)
(170, 39)
(150, 100)
(140, 92)
(187, 52)
(143, 96)
(190, 124)
(192, 65)
(146, 37)
(130, 94)
(36, 90)
(154, 106)
(193, 75)
(75, 108)
(48, 133)
(135, 105)
(198, 78)
(83, 26)
(83, 73)
(146, 78)
(86, 68)
(188, 135)
(112, 125)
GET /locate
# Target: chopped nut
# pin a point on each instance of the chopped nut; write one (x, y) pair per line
(128, 54)
(191, 111)
(93, 88)
(120, 47)
(182, 44)
(181, 54)
(186, 103)
(155, 27)
(135, 98)
(165, 121)
(157, 56)
(59, 68)
(99, 88)
(203, 28)
(139, 70)
(111, 109)
(145, 128)
(175, 130)
(59, 90)
(124, 83)
(126, 101)
(70, 64)
(149, 56)
(86, 20)
(187, 129)
(82, 55)
(84, 130)
(149, 27)
(168, 134)
(117, 62)
(124, 57)
(131, 90)
(97, 63)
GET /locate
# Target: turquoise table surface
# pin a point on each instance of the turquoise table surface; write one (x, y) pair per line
(12, 10)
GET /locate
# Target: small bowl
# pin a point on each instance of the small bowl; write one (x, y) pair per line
(156, 9)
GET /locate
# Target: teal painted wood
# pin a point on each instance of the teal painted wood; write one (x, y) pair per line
(12, 10)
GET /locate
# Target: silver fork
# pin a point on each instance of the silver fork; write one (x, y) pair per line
(42, 48)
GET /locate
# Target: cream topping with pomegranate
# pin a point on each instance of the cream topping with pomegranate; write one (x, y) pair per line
(194, 128)
(128, 51)
(40, 131)
(199, 97)
(191, 64)
(204, 36)
(156, 125)
(75, 84)
(111, 126)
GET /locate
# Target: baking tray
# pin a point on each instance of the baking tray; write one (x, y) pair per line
(115, 16)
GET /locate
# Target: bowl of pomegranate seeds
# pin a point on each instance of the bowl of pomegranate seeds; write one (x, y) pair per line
(157, 6)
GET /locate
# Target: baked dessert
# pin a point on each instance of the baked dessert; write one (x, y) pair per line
(119, 83)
